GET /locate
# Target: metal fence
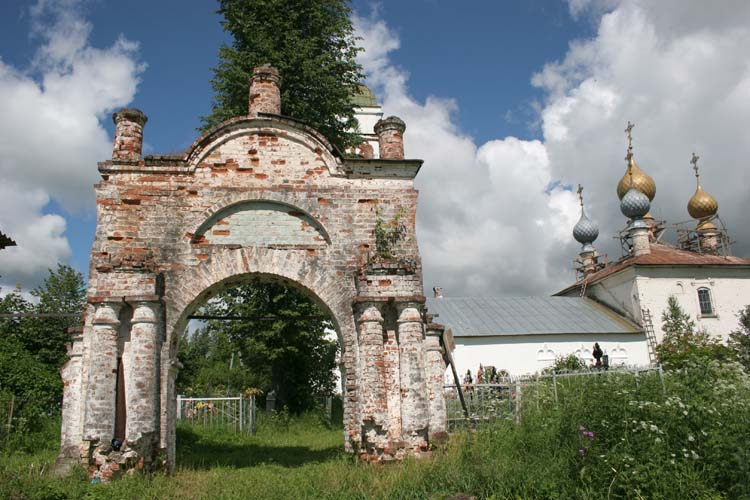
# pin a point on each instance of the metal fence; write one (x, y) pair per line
(235, 414)
(7, 409)
(504, 398)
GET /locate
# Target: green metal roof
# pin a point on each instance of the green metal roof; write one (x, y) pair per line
(364, 97)
(492, 316)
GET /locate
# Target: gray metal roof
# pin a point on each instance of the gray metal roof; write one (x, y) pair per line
(490, 316)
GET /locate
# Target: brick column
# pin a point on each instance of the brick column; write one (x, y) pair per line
(142, 376)
(372, 386)
(414, 415)
(129, 125)
(434, 374)
(70, 432)
(390, 132)
(99, 424)
(265, 94)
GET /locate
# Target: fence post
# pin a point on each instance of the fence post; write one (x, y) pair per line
(329, 409)
(554, 384)
(242, 414)
(518, 401)
(252, 414)
(661, 379)
(179, 407)
(9, 425)
(637, 385)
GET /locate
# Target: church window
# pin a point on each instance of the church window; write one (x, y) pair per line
(704, 300)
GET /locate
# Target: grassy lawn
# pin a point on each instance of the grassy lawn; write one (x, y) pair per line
(604, 437)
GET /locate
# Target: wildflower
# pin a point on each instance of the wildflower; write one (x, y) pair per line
(581, 428)
(580, 451)
(657, 440)
(691, 438)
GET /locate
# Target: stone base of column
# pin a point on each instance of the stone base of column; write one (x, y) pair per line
(105, 463)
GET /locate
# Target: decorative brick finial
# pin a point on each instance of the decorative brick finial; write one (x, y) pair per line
(390, 133)
(129, 125)
(265, 92)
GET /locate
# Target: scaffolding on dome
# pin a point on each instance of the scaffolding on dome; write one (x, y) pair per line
(657, 227)
(689, 238)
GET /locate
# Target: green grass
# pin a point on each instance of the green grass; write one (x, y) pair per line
(690, 440)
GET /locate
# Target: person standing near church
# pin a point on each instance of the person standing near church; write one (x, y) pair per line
(598, 353)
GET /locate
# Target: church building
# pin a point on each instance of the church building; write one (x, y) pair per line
(617, 304)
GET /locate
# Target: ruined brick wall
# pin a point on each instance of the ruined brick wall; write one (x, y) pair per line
(258, 195)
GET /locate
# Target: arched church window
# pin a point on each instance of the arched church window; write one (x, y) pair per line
(704, 301)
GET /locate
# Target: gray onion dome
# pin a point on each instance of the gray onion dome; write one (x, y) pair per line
(634, 204)
(585, 231)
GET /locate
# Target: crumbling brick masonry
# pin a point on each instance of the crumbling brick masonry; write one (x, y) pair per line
(260, 194)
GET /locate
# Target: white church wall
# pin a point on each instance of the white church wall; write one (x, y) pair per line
(729, 290)
(619, 292)
(368, 116)
(524, 354)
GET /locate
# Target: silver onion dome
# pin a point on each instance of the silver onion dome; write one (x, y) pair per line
(634, 204)
(585, 231)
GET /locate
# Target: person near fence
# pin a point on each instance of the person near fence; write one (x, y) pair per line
(468, 381)
(598, 353)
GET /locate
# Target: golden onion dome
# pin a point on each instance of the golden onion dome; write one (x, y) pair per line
(702, 205)
(706, 225)
(640, 180)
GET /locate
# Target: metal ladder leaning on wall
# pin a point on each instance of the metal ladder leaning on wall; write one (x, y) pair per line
(648, 329)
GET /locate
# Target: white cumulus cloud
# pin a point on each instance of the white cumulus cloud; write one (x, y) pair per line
(51, 132)
(495, 219)
(491, 219)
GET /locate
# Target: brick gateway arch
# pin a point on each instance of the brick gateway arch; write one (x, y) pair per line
(260, 194)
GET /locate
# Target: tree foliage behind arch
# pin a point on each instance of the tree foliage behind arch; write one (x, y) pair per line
(310, 42)
(292, 357)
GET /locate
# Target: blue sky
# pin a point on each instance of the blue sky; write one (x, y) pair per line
(527, 94)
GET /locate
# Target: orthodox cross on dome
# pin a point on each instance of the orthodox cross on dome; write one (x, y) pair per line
(629, 131)
(694, 161)
(580, 194)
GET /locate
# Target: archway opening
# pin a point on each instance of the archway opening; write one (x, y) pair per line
(260, 378)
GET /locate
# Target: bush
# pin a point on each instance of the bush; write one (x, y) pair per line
(683, 344)
(569, 363)
(34, 387)
(739, 340)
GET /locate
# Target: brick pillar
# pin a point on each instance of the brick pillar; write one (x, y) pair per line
(70, 432)
(142, 376)
(390, 133)
(99, 424)
(129, 125)
(414, 415)
(372, 387)
(265, 92)
(708, 239)
(434, 368)
(641, 244)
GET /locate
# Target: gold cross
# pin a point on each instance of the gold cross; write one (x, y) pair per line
(580, 194)
(629, 130)
(694, 161)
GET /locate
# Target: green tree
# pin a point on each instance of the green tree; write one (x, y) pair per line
(310, 42)
(212, 365)
(62, 292)
(17, 328)
(290, 355)
(739, 340)
(683, 343)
